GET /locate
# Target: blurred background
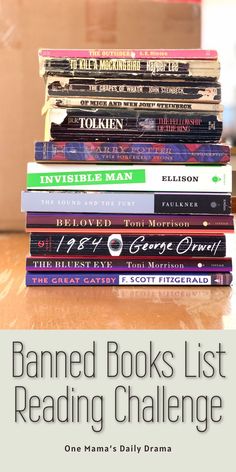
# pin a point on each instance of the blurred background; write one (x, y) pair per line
(27, 25)
(219, 32)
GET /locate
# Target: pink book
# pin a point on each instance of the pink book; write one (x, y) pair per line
(130, 53)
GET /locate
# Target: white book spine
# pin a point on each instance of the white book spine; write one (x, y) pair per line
(153, 178)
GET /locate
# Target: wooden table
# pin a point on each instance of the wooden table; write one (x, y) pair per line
(105, 307)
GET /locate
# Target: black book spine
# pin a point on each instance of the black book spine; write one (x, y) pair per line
(207, 92)
(173, 203)
(136, 68)
(127, 245)
(113, 124)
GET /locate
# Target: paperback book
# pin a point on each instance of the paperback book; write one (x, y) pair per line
(124, 264)
(137, 68)
(136, 89)
(202, 54)
(182, 178)
(98, 102)
(112, 124)
(126, 202)
(131, 153)
(115, 244)
(68, 279)
(79, 222)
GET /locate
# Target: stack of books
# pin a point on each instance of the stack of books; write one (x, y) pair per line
(131, 185)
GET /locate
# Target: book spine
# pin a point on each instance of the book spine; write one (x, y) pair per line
(77, 222)
(156, 178)
(89, 102)
(137, 68)
(208, 92)
(127, 202)
(134, 153)
(127, 245)
(112, 124)
(138, 178)
(130, 53)
(104, 279)
(119, 264)
(192, 203)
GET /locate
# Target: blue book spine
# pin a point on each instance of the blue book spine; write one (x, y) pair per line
(136, 153)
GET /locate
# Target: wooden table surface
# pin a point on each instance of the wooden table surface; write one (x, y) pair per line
(105, 307)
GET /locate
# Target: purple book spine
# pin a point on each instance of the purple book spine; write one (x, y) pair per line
(78, 264)
(104, 279)
(77, 221)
